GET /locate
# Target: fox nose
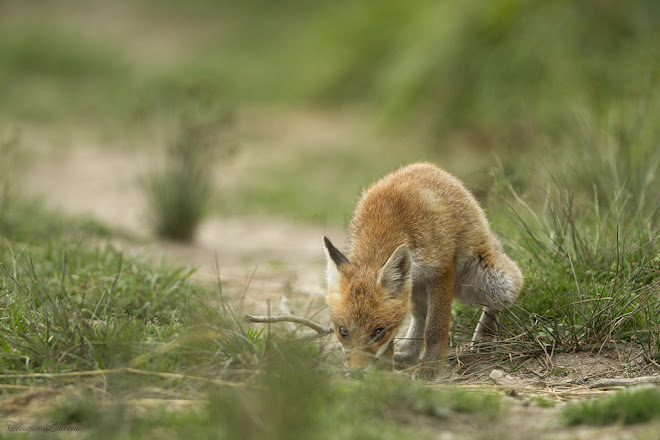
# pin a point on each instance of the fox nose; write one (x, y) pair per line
(358, 364)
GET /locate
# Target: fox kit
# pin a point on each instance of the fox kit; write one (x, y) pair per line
(418, 239)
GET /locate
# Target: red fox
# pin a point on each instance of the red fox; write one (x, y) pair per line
(418, 239)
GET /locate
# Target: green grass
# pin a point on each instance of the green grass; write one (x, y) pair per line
(296, 398)
(587, 241)
(56, 54)
(624, 407)
(502, 72)
(544, 403)
(70, 307)
(303, 403)
(70, 304)
(57, 74)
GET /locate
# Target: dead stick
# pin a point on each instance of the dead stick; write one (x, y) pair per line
(183, 376)
(56, 375)
(648, 359)
(320, 329)
(607, 383)
(115, 371)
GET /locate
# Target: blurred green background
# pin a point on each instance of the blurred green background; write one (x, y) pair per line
(464, 84)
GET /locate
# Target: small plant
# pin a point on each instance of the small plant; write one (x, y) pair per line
(178, 195)
(256, 336)
(626, 407)
(76, 409)
(543, 402)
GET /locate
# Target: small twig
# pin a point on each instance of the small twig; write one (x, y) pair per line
(608, 383)
(320, 329)
(22, 387)
(654, 363)
(183, 376)
(116, 371)
(55, 375)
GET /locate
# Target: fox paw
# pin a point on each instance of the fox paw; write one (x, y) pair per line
(426, 372)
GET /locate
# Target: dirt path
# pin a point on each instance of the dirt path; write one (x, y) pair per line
(83, 174)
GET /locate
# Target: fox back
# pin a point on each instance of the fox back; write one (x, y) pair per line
(414, 233)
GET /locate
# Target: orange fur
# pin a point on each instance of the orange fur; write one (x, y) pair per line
(418, 239)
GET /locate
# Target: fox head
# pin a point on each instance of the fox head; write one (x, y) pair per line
(367, 304)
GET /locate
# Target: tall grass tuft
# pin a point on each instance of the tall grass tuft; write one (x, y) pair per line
(588, 243)
(178, 195)
(65, 307)
(625, 407)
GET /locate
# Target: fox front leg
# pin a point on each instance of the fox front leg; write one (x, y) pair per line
(436, 333)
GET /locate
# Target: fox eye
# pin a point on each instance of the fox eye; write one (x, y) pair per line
(343, 331)
(378, 334)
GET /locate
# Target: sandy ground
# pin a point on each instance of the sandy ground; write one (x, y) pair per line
(83, 174)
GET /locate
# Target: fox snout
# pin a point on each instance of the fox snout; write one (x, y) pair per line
(366, 358)
(357, 360)
(358, 363)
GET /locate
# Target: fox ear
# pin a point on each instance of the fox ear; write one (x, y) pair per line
(336, 260)
(396, 274)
